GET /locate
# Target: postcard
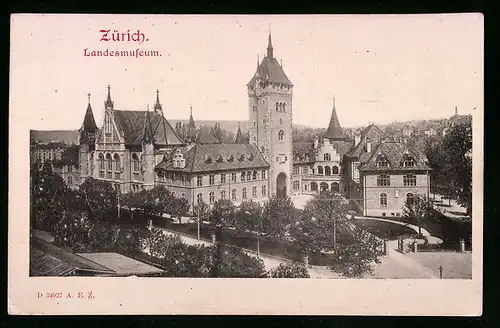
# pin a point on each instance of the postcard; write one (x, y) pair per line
(236, 164)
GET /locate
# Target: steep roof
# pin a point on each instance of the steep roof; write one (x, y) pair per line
(239, 139)
(132, 123)
(359, 151)
(334, 130)
(65, 136)
(216, 157)
(394, 153)
(270, 70)
(303, 152)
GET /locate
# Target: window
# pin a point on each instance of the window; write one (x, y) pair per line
(223, 178)
(296, 170)
(305, 187)
(382, 162)
(183, 195)
(383, 199)
(254, 192)
(305, 170)
(233, 177)
(117, 166)
(264, 121)
(383, 180)
(328, 170)
(211, 179)
(263, 174)
(281, 135)
(296, 185)
(183, 180)
(211, 197)
(243, 175)
(249, 175)
(327, 157)
(263, 190)
(320, 170)
(70, 180)
(199, 198)
(284, 107)
(277, 107)
(233, 194)
(409, 180)
(253, 123)
(244, 193)
(199, 181)
(335, 170)
(314, 186)
(135, 161)
(70, 168)
(409, 198)
(101, 162)
(109, 163)
(335, 187)
(383, 214)
(223, 195)
(408, 161)
(254, 175)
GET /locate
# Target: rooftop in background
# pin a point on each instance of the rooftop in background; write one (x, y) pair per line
(47, 136)
(121, 264)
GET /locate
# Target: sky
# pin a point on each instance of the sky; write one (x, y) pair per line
(379, 68)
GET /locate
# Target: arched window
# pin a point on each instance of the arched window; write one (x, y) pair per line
(296, 170)
(70, 180)
(335, 170)
(320, 169)
(327, 157)
(223, 195)
(135, 162)
(249, 175)
(254, 175)
(305, 170)
(263, 190)
(101, 162)
(382, 162)
(243, 175)
(383, 199)
(118, 168)
(409, 180)
(335, 187)
(183, 195)
(281, 135)
(409, 199)
(199, 198)
(408, 161)
(296, 185)
(254, 192)
(314, 186)
(233, 194)
(211, 197)
(263, 174)
(328, 170)
(244, 193)
(284, 107)
(277, 107)
(323, 186)
(383, 180)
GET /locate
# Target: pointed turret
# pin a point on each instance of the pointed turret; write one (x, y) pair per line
(270, 49)
(191, 128)
(334, 130)
(89, 127)
(158, 108)
(456, 110)
(239, 139)
(109, 104)
(148, 137)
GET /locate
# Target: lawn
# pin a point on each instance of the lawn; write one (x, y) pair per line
(448, 229)
(384, 230)
(455, 265)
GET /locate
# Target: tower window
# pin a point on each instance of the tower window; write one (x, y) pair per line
(281, 135)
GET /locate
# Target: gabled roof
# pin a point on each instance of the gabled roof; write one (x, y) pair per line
(216, 157)
(270, 70)
(131, 125)
(395, 154)
(359, 151)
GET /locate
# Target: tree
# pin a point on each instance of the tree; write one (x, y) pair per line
(354, 259)
(217, 132)
(103, 236)
(457, 146)
(417, 210)
(249, 220)
(230, 262)
(152, 241)
(73, 231)
(277, 217)
(289, 270)
(179, 207)
(99, 198)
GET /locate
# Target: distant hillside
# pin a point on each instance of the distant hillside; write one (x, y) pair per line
(230, 126)
(64, 136)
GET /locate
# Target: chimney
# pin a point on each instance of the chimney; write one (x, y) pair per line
(368, 145)
(357, 138)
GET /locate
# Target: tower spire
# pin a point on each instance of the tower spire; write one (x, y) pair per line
(334, 130)
(148, 131)
(270, 45)
(158, 107)
(456, 110)
(109, 104)
(88, 94)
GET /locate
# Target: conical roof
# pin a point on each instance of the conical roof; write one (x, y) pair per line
(239, 139)
(334, 130)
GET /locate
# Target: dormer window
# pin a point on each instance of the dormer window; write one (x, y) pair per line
(230, 158)
(249, 156)
(208, 159)
(408, 161)
(219, 159)
(242, 157)
(382, 162)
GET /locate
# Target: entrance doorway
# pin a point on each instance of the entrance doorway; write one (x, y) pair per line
(281, 185)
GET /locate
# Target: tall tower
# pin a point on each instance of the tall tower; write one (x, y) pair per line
(88, 133)
(148, 153)
(270, 119)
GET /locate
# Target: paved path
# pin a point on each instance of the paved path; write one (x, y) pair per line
(425, 233)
